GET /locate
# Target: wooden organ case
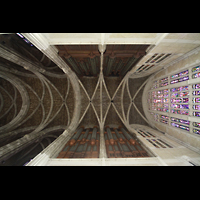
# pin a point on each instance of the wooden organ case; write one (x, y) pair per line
(120, 144)
(83, 144)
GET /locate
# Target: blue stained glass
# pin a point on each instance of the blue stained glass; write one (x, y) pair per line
(184, 106)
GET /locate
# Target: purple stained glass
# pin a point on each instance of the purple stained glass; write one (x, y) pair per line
(196, 100)
(195, 69)
(164, 84)
(196, 86)
(180, 74)
(174, 81)
(164, 79)
(175, 125)
(166, 91)
(164, 116)
(196, 107)
(196, 92)
(163, 121)
(179, 100)
(183, 94)
(197, 114)
(196, 124)
(183, 73)
(182, 88)
(196, 131)
(160, 96)
(174, 76)
(166, 95)
(196, 75)
(174, 95)
(165, 100)
(173, 90)
(183, 79)
(184, 121)
(180, 126)
(180, 120)
(182, 112)
(165, 109)
(185, 100)
(184, 106)
(174, 105)
(166, 105)
(184, 127)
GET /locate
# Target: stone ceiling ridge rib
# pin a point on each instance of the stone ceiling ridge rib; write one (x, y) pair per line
(107, 72)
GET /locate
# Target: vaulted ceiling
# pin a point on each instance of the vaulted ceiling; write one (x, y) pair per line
(84, 60)
(50, 94)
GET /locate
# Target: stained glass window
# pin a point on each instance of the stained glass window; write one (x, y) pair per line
(164, 79)
(182, 88)
(196, 86)
(196, 75)
(196, 124)
(181, 106)
(179, 100)
(182, 75)
(195, 93)
(27, 41)
(196, 114)
(159, 101)
(196, 100)
(180, 120)
(196, 131)
(163, 84)
(196, 107)
(175, 101)
(181, 94)
(182, 112)
(164, 119)
(180, 80)
(180, 126)
(195, 69)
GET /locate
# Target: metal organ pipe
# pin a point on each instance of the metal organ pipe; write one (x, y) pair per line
(131, 140)
(110, 136)
(75, 136)
(118, 135)
(94, 134)
(85, 135)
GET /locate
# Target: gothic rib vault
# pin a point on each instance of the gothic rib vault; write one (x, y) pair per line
(44, 101)
(52, 94)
